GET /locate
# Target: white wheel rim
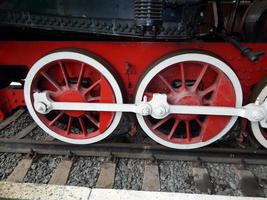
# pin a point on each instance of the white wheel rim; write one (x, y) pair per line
(255, 126)
(82, 58)
(183, 58)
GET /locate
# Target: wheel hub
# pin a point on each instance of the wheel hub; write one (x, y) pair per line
(71, 95)
(185, 98)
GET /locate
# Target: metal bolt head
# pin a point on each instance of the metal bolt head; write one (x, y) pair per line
(258, 100)
(258, 115)
(40, 107)
(160, 111)
(146, 111)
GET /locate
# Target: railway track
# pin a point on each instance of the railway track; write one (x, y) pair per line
(138, 151)
(146, 166)
(23, 142)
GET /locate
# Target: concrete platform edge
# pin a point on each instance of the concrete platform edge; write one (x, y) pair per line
(10, 190)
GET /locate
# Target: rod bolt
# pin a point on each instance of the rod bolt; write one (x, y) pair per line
(41, 107)
(258, 100)
(144, 108)
(160, 111)
(258, 115)
(146, 111)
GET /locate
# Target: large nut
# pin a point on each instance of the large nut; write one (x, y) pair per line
(40, 107)
(144, 109)
(160, 112)
(258, 114)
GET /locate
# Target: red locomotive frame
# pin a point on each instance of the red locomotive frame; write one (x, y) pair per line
(130, 60)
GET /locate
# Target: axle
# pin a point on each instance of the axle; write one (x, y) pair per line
(157, 107)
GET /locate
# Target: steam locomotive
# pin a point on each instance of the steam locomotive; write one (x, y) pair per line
(184, 71)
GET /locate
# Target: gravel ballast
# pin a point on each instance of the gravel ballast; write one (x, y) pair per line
(8, 162)
(129, 174)
(85, 172)
(42, 169)
(260, 172)
(176, 176)
(12, 129)
(224, 179)
(37, 134)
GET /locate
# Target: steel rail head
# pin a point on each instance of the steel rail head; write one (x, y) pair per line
(138, 151)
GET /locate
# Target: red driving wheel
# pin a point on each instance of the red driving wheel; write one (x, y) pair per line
(74, 80)
(189, 82)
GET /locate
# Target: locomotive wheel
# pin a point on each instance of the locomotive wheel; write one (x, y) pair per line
(190, 79)
(260, 93)
(74, 77)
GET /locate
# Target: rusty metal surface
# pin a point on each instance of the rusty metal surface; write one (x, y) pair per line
(141, 151)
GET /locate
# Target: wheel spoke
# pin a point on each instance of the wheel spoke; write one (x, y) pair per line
(166, 83)
(199, 122)
(82, 125)
(64, 73)
(174, 127)
(218, 81)
(182, 74)
(80, 76)
(200, 77)
(207, 90)
(201, 125)
(56, 118)
(187, 127)
(206, 102)
(162, 121)
(51, 80)
(68, 131)
(212, 87)
(93, 86)
(93, 120)
(93, 99)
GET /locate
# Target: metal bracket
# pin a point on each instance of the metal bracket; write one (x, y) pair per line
(157, 107)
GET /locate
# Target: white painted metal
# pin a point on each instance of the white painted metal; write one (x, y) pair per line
(184, 58)
(158, 108)
(43, 104)
(30, 191)
(78, 57)
(256, 126)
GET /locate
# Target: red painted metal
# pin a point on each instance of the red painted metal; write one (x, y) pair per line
(10, 99)
(90, 86)
(138, 56)
(191, 83)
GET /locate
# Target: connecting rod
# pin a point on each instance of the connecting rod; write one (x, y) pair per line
(157, 107)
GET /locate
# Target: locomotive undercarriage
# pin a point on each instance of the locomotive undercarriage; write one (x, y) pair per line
(185, 95)
(197, 85)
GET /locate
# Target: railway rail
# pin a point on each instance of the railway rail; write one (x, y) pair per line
(140, 151)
